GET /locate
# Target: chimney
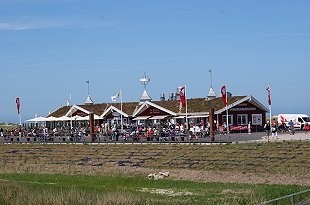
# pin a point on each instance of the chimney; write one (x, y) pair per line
(174, 95)
(177, 96)
(162, 97)
(170, 96)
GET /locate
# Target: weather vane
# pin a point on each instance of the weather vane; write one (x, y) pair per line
(144, 80)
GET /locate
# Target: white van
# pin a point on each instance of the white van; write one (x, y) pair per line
(299, 120)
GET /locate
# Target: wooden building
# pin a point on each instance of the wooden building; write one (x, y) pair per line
(241, 111)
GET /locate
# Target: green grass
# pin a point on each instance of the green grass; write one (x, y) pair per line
(81, 189)
(116, 174)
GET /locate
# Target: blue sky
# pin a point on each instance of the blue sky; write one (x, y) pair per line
(50, 48)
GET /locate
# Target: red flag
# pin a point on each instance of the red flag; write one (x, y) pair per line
(224, 94)
(268, 92)
(18, 105)
(182, 96)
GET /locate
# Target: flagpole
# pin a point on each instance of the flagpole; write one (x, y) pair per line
(18, 110)
(269, 103)
(20, 119)
(186, 108)
(121, 95)
(270, 115)
(270, 107)
(227, 125)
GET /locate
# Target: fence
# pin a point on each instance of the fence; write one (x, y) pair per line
(295, 199)
(116, 138)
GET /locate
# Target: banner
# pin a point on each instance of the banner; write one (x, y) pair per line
(18, 105)
(268, 93)
(115, 97)
(182, 96)
(224, 94)
(69, 100)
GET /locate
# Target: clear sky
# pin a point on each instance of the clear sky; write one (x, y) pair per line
(50, 48)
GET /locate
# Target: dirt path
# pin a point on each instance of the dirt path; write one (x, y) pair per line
(211, 176)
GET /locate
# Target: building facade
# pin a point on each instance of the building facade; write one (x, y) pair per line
(241, 110)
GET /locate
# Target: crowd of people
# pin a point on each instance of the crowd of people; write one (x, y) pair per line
(166, 131)
(114, 132)
(274, 127)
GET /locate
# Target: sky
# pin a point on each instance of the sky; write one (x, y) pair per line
(50, 48)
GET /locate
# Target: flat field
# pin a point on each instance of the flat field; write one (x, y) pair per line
(117, 173)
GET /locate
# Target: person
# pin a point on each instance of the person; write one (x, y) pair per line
(274, 131)
(249, 128)
(306, 128)
(291, 127)
(1, 132)
(267, 129)
(283, 127)
(150, 134)
(197, 131)
(224, 128)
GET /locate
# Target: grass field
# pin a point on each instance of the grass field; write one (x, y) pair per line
(81, 189)
(117, 174)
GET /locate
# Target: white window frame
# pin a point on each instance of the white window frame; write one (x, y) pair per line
(230, 119)
(245, 116)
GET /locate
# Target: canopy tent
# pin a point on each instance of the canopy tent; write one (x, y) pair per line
(51, 119)
(64, 118)
(36, 119)
(36, 122)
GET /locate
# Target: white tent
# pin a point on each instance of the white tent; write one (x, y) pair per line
(96, 117)
(51, 118)
(37, 119)
(64, 118)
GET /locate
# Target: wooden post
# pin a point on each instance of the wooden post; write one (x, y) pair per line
(211, 121)
(91, 126)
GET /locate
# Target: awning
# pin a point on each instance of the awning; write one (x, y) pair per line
(159, 117)
(179, 117)
(141, 118)
(197, 116)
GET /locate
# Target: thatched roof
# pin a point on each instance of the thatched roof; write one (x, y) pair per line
(194, 105)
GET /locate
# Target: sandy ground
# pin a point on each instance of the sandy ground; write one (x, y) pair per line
(300, 136)
(218, 176)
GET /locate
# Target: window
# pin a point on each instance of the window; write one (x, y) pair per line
(230, 117)
(242, 119)
(257, 119)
